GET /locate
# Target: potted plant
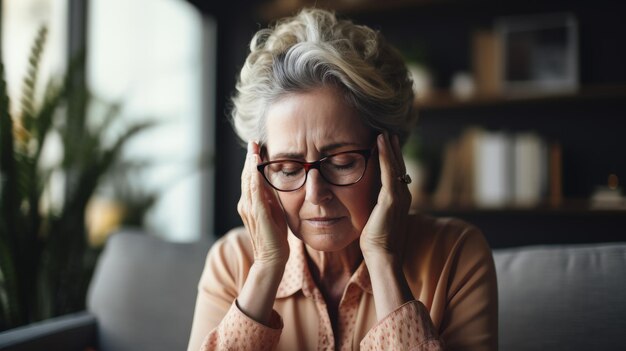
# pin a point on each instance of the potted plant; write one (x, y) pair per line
(45, 261)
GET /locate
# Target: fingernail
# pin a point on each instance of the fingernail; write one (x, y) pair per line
(250, 147)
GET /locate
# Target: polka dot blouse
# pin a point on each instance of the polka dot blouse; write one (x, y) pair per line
(448, 266)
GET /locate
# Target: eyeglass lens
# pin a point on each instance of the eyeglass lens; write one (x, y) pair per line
(341, 169)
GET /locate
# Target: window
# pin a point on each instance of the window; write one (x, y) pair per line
(151, 56)
(21, 19)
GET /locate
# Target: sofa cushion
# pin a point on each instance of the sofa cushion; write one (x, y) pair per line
(568, 297)
(143, 292)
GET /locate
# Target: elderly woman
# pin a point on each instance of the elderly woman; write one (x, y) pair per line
(330, 257)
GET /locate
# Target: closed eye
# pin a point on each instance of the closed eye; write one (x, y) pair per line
(340, 166)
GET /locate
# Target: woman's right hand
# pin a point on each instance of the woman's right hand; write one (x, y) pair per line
(262, 214)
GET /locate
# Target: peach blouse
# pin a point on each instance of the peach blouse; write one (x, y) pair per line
(448, 266)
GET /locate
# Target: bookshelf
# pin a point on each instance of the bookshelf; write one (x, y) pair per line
(571, 207)
(589, 123)
(280, 8)
(444, 100)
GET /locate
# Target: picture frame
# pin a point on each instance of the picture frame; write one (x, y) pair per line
(539, 53)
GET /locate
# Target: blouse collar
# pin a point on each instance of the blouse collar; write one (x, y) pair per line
(298, 277)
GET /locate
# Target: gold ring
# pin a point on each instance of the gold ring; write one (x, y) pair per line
(406, 179)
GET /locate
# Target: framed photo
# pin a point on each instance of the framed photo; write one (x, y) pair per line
(539, 53)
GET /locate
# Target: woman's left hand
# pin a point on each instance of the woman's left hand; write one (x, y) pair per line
(384, 233)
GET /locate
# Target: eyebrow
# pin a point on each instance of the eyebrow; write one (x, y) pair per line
(325, 150)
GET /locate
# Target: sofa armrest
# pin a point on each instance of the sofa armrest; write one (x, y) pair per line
(562, 297)
(74, 332)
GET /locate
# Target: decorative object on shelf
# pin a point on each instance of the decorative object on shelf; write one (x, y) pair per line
(415, 54)
(45, 260)
(463, 86)
(422, 80)
(102, 217)
(539, 53)
(486, 63)
(609, 196)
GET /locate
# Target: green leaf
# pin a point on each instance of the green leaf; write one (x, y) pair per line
(30, 81)
(55, 95)
(9, 214)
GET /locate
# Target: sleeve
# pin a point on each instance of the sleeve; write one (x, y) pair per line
(407, 328)
(237, 331)
(468, 285)
(470, 319)
(218, 324)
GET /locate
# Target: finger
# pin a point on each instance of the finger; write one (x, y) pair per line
(387, 173)
(398, 154)
(250, 161)
(246, 173)
(404, 192)
(262, 195)
(254, 148)
(256, 179)
(263, 186)
(392, 155)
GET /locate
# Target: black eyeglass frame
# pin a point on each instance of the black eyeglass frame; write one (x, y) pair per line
(366, 153)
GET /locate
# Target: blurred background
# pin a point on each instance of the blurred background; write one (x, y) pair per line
(521, 111)
(156, 60)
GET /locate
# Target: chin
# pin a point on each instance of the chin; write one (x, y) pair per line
(328, 240)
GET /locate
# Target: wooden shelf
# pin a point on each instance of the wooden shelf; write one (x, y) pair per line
(275, 9)
(571, 207)
(443, 100)
(281, 8)
(511, 211)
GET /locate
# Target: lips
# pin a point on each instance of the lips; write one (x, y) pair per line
(321, 222)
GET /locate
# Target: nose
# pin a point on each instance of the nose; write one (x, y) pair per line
(316, 188)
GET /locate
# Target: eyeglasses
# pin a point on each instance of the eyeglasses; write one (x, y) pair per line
(341, 169)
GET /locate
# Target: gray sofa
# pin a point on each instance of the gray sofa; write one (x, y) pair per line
(568, 297)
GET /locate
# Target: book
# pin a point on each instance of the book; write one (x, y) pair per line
(466, 174)
(496, 169)
(529, 169)
(556, 175)
(444, 195)
(493, 178)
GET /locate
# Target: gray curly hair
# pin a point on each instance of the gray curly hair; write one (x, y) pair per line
(315, 49)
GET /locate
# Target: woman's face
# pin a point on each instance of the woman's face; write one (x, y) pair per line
(307, 127)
